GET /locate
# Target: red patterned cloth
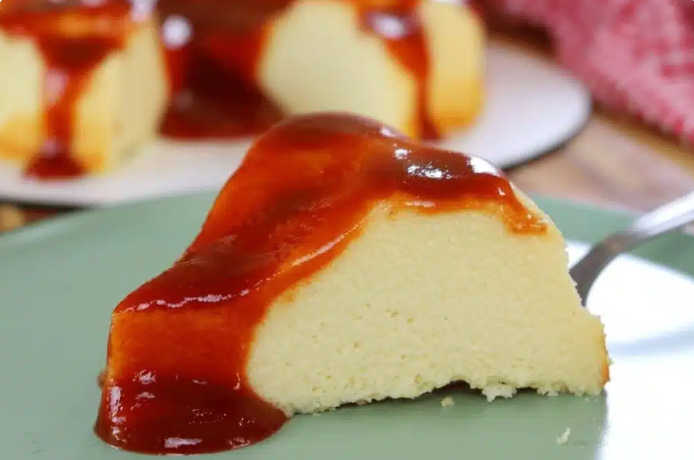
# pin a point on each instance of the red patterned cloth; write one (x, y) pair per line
(635, 55)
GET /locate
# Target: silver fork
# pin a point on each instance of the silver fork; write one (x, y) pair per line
(666, 218)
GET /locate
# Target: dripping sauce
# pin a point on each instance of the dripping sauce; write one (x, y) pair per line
(212, 51)
(179, 344)
(213, 48)
(69, 58)
(401, 29)
(218, 95)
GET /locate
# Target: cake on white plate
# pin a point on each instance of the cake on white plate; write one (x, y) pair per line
(344, 263)
(432, 81)
(92, 82)
(81, 88)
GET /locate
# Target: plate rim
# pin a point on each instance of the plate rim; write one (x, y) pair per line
(549, 146)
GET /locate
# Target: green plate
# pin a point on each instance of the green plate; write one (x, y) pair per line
(59, 281)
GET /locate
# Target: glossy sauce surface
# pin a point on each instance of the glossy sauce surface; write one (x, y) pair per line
(216, 94)
(213, 49)
(179, 344)
(71, 51)
(401, 28)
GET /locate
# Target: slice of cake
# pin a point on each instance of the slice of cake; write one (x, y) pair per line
(85, 85)
(415, 65)
(93, 81)
(344, 263)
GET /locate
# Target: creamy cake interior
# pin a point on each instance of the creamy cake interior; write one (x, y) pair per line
(343, 263)
(89, 83)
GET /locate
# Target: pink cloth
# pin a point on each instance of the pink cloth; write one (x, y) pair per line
(635, 55)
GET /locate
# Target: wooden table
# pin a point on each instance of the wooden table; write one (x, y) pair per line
(613, 162)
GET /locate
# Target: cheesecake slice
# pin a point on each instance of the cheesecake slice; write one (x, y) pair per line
(417, 66)
(344, 263)
(84, 87)
(91, 82)
(240, 66)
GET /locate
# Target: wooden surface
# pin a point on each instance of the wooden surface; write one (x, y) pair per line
(616, 161)
(613, 162)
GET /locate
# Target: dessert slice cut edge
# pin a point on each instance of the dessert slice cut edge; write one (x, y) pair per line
(343, 263)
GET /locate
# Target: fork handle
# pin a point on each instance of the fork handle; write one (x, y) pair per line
(664, 219)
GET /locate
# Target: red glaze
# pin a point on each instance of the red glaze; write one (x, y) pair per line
(213, 48)
(179, 344)
(407, 43)
(217, 96)
(70, 55)
(213, 65)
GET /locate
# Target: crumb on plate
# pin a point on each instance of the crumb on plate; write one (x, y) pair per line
(564, 437)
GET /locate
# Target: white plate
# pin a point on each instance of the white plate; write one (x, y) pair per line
(656, 303)
(532, 107)
(648, 312)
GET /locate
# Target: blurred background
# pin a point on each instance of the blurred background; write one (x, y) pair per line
(628, 145)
